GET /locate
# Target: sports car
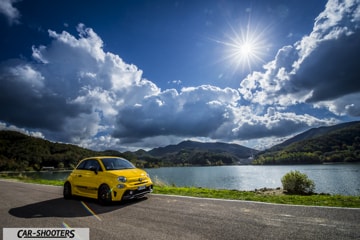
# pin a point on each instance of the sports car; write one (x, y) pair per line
(107, 179)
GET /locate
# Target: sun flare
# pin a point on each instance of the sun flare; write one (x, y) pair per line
(246, 51)
(245, 48)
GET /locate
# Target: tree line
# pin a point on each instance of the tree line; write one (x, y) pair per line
(338, 146)
(19, 152)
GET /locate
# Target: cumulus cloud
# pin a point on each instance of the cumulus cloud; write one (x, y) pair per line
(195, 111)
(4, 126)
(345, 105)
(10, 12)
(321, 69)
(274, 123)
(73, 89)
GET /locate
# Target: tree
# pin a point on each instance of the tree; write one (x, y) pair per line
(297, 183)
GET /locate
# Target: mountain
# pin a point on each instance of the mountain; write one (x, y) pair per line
(313, 133)
(198, 153)
(338, 143)
(238, 150)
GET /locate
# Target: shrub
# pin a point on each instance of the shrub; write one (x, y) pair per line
(297, 183)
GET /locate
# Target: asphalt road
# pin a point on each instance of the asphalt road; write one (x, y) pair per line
(171, 217)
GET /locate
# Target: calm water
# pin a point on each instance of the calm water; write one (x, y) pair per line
(334, 179)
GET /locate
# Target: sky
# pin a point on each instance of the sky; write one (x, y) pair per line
(140, 74)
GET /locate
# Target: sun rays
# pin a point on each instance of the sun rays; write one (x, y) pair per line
(245, 47)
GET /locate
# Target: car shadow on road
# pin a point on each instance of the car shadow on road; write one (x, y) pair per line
(59, 207)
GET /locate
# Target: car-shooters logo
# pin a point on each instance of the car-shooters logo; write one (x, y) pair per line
(45, 233)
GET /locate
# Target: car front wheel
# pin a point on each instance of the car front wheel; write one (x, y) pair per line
(104, 195)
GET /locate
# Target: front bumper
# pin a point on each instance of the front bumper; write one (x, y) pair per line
(131, 194)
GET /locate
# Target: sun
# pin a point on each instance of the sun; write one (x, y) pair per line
(244, 51)
(245, 47)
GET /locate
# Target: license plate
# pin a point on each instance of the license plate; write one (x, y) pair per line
(141, 187)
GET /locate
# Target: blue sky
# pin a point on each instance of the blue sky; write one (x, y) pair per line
(137, 74)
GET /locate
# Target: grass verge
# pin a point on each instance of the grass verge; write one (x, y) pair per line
(22, 178)
(309, 200)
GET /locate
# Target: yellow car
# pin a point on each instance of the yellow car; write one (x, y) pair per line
(107, 179)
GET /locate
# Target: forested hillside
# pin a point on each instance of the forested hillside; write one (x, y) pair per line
(22, 152)
(198, 153)
(338, 145)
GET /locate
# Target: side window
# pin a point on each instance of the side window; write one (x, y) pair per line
(81, 165)
(92, 163)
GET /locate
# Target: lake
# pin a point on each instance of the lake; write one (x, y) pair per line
(341, 179)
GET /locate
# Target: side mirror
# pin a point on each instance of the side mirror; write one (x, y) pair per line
(94, 169)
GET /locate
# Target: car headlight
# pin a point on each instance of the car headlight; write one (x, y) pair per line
(122, 179)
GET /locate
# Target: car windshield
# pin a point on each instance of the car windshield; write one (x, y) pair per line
(116, 163)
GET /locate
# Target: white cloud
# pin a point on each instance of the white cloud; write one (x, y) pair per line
(207, 112)
(273, 123)
(176, 82)
(28, 75)
(5, 127)
(10, 12)
(74, 88)
(345, 105)
(322, 67)
(195, 111)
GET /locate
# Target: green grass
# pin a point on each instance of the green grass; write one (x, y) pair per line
(160, 188)
(311, 200)
(22, 178)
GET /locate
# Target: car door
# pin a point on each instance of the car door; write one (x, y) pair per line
(86, 178)
(77, 180)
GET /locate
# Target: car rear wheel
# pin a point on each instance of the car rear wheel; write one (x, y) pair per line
(104, 195)
(67, 190)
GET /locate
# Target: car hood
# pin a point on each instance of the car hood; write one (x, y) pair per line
(129, 173)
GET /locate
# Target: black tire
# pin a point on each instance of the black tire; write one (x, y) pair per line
(67, 190)
(104, 195)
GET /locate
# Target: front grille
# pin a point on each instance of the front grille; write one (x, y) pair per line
(130, 194)
(138, 181)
